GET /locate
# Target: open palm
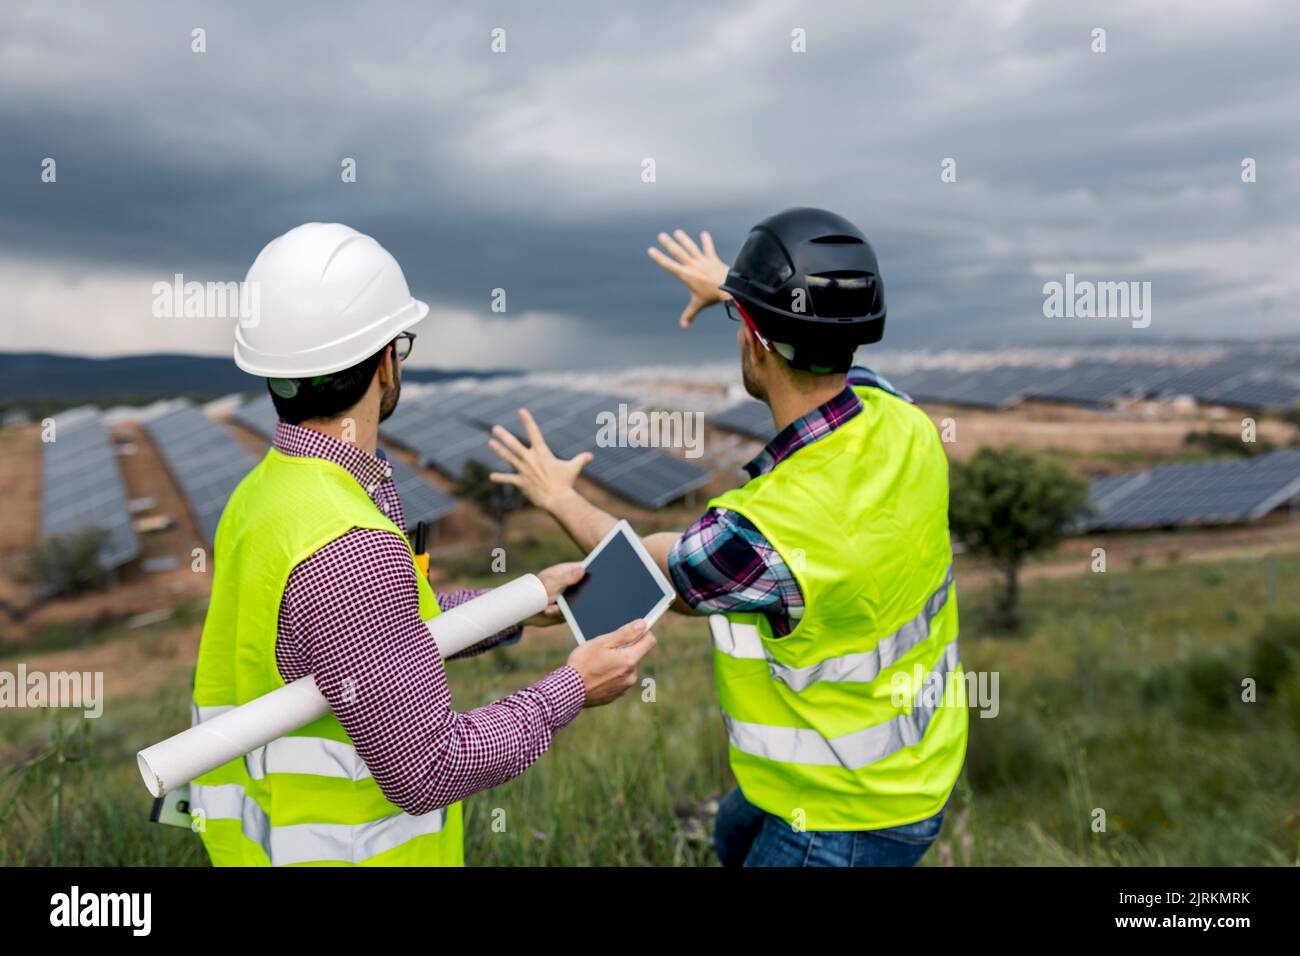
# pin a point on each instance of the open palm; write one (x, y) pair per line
(697, 266)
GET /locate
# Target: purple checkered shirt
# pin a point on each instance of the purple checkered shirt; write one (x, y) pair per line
(350, 616)
(722, 563)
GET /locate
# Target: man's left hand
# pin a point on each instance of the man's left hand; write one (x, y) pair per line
(541, 476)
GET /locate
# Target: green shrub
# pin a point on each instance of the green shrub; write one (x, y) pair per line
(63, 564)
(1211, 681)
(1289, 695)
(1012, 750)
(1275, 652)
(1226, 443)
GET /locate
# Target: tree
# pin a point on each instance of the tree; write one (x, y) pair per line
(1009, 505)
(494, 500)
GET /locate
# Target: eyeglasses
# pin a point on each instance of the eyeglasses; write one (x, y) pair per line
(403, 344)
(736, 312)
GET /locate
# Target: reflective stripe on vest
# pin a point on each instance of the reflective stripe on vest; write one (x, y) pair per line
(311, 842)
(852, 751)
(319, 756)
(743, 641)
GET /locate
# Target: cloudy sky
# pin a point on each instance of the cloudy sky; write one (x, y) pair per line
(522, 170)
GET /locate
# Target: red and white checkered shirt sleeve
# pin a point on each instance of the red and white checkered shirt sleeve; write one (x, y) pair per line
(350, 616)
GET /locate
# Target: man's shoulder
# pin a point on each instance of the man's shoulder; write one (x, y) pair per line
(862, 376)
(366, 558)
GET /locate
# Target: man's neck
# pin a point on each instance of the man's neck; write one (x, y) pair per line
(356, 429)
(789, 404)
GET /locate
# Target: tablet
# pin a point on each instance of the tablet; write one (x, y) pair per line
(622, 583)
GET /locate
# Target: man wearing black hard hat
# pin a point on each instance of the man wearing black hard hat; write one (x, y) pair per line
(827, 577)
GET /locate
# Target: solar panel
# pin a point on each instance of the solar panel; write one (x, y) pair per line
(452, 443)
(645, 476)
(204, 458)
(82, 487)
(421, 501)
(450, 429)
(656, 479)
(1217, 492)
(1005, 385)
(1100, 383)
(1258, 393)
(258, 415)
(749, 417)
(1199, 382)
(492, 410)
(571, 437)
(960, 387)
(553, 408)
(562, 403)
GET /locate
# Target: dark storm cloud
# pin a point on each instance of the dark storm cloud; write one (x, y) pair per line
(521, 170)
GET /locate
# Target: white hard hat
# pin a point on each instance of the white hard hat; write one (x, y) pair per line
(328, 297)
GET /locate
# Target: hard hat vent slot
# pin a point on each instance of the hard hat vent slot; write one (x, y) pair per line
(838, 240)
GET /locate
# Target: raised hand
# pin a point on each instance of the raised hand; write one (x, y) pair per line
(538, 473)
(697, 266)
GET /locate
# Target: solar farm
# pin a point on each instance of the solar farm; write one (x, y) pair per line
(450, 427)
(82, 488)
(204, 459)
(1248, 380)
(445, 427)
(1198, 493)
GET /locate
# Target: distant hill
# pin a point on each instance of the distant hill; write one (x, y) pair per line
(45, 375)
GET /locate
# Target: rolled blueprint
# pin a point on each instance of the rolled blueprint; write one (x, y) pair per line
(228, 736)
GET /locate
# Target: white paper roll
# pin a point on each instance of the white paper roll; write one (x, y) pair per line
(221, 739)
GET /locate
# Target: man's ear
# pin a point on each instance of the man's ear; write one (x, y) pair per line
(758, 356)
(749, 343)
(387, 378)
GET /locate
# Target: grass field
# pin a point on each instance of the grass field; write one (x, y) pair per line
(1124, 694)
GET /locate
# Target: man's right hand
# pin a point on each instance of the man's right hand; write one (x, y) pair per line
(699, 268)
(608, 663)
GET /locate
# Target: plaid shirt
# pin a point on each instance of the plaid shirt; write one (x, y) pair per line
(350, 616)
(722, 563)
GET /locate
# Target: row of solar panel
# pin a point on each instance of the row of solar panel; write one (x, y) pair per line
(1241, 381)
(205, 459)
(1216, 492)
(81, 487)
(991, 388)
(449, 428)
(421, 501)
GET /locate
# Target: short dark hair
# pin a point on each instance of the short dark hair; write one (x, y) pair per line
(323, 396)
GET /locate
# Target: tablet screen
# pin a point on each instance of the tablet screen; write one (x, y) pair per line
(616, 589)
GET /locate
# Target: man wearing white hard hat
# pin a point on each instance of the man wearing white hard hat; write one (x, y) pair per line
(313, 575)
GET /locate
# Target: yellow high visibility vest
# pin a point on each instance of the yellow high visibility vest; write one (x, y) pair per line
(856, 720)
(306, 798)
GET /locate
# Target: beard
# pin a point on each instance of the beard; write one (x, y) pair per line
(388, 401)
(752, 385)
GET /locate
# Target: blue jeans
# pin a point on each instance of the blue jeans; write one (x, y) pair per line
(744, 835)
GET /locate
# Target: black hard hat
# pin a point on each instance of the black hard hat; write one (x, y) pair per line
(809, 280)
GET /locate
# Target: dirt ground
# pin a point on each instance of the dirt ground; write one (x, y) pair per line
(1104, 442)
